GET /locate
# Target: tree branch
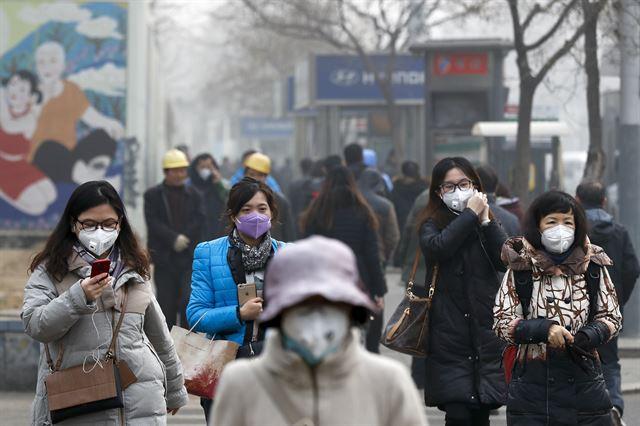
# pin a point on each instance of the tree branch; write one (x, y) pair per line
(542, 40)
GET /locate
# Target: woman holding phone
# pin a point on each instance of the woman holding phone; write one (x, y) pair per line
(230, 270)
(73, 313)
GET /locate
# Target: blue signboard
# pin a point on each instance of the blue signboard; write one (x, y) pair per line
(266, 128)
(345, 79)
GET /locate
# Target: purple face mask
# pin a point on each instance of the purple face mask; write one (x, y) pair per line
(254, 224)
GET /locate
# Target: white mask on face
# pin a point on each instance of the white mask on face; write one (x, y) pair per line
(558, 239)
(98, 241)
(457, 200)
(205, 174)
(315, 331)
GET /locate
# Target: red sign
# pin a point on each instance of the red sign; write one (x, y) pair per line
(460, 64)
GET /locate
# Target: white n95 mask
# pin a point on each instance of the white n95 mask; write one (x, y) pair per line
(558, 239)
(98, 241)
(457, 200)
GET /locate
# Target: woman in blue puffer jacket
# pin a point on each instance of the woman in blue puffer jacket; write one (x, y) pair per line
(241, 257)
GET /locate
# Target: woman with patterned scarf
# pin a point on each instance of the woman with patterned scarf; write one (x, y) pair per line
(219, 266)
(556, 306)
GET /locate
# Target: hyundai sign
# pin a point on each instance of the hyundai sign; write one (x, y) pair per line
(344, 79)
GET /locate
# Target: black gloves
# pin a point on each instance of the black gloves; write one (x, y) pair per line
(591, 336)
(533, 330)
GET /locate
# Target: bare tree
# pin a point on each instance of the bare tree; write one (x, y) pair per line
(594, 169)
(362, 28)
(530, 80)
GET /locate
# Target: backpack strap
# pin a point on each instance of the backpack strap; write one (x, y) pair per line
(592, 277)
(524, 289)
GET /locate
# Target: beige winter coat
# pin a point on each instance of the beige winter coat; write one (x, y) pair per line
(352, 387)
(57, 313)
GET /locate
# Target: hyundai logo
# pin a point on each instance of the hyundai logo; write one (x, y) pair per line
(344, 77)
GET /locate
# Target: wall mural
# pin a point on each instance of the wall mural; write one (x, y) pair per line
(62, 104)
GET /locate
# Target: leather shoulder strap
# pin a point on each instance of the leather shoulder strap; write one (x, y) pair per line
(414, 268)
(524, 289)
(592, 277)
(112, 346)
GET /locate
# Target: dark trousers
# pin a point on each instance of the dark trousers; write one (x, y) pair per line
(466, 415)
(173, 284)
(206, 404)
(611, 372)
(374, 332)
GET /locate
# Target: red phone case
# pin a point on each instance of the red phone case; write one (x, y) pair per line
(100, 266)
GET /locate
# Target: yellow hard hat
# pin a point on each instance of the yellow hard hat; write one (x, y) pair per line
(174, 159)
(258, 162)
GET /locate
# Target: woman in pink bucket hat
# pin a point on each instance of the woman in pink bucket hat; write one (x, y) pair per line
(313, 370)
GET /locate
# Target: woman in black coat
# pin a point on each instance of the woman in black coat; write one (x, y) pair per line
(458, 234)
(341, 212)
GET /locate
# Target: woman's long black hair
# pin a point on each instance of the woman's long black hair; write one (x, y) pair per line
(59, 246)
(339, 190)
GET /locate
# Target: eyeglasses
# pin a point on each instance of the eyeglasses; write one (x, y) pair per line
(464, 185)
(92, 225)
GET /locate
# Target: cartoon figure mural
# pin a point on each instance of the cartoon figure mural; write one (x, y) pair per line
(62, 104)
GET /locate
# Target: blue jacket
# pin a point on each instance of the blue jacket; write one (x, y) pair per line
(271, 181)
(214, 294)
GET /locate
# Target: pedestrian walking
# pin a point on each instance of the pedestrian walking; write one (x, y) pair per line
(240, 172)
(175, 217)
(73, 314)
(299, 192)
(354, 159)
(460, 238)
(509, 221)
(207, 179)
(511, 204)
(341, 212)
(258, 167)
(313, 369)
(557, 305)
(370, 159)
(616, 242)
(371, 184)
(241, 258)
(406, 189)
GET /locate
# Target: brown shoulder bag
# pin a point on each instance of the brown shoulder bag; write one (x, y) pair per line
(75, 392)
(408, 328)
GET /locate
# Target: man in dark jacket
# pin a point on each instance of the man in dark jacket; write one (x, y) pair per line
(509, 222)
(206, 178)
(299, 191)
(258, 166)
(406, 189)
(174, 214)
(371, 184)
(354, 158)
(615, 241)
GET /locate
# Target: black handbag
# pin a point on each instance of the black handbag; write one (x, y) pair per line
(408, 328)
(75, 392)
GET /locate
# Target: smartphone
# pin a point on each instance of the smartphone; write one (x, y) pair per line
(100, 266)
(246, 292)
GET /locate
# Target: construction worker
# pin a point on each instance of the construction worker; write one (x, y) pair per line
(175, 217)
(258, 166)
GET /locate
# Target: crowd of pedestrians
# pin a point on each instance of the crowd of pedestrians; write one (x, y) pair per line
(526, 304)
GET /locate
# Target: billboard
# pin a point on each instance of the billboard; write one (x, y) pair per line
(62, 104)
(266, 128)
(345, 79)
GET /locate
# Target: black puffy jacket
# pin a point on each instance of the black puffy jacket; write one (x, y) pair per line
(463, 361)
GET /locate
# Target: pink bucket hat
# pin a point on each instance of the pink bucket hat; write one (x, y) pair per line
(316, 266)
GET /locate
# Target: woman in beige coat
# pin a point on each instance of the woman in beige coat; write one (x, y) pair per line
(74, 315)
(313, 371)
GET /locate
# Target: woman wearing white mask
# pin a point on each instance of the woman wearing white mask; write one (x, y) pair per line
(313, 370)
(73, 315)
(205, 176)
(556, 305)
(460, 239)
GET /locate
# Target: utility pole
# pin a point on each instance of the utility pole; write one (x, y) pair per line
(629, 142)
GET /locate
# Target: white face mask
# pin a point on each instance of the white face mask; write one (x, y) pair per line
(315, 331)
(558, 239)
(205, 174)
(457, 200)
(98, 241)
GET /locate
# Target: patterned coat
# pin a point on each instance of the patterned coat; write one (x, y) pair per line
(547, 385)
